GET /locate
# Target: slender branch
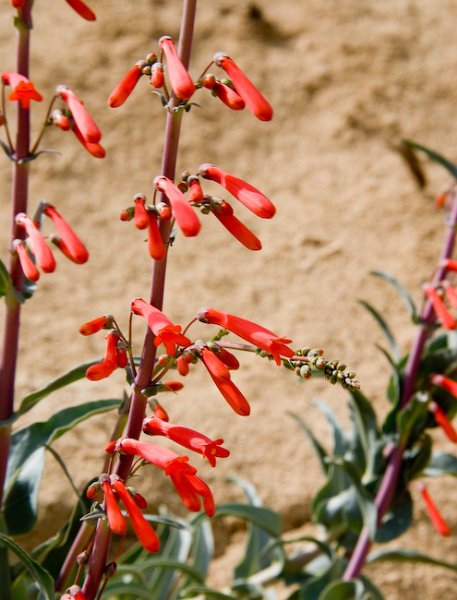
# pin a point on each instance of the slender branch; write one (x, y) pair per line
(138, 401)
(389, 482)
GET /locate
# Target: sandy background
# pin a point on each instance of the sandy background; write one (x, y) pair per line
(347, 80)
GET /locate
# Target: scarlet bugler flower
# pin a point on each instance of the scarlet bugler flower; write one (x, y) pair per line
(126, 86)
(242, 233)
(447, 384)
(157, 77)
(248, 195)
(186, 218)
(442, 313)
(189, 438)
(77, 251)
(82, 9)
(443, 421)
(17, 3)
(256, 103)
(40, 249)
(181, 81)
(84, 122)
(95, 149)
(165, 331)
(450, 264)
(228, 96)
(95, 325)
(60, 120)
(182, 474)
(25, 260)
(220, 374)
(23, 90)
(249, 331)
(436, 517)
(156, 246)
(109, 363)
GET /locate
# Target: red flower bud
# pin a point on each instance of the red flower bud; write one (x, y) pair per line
(17, 3)
(95, 325)
(195, 190)
(242, 233)
(436, 517)
(187, 220)
(256, 103)
(95, 149)
(126, 86)
(248, 195)
(77, 251)
(40, 249)
(443, 421)
(447, 384)
(82, 9)
(442, 313)
(450, 264)
(140, 214)
(60, 120)
(156, 246)
(157, 78)
(86, 125)
(181, 81)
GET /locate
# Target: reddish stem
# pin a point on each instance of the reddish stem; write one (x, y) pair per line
(390, 479)
(138, 401)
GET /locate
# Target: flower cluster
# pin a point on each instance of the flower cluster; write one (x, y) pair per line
(34, 250)
(236, 92)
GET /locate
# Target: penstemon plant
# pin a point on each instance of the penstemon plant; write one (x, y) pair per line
(371, 471)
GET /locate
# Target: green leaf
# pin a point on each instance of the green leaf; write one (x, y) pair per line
(407, 555)
(344, 590)
(416, 459)
(39, 575)
(263, 517)
(404, 295)
(6, 284)
(25, 460)
(321, 453)
(121, 589)
(339, 444)
(441, 463)
(385, 328)
(20, 505)
(435, 156)
(75, 374)
(208, 593)
(397, 520)
(202, 549)
(412, 418)
(366, 427)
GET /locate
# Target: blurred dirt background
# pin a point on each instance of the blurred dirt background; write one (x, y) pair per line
(347, 80)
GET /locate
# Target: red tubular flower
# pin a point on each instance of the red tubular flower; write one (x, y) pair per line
(156, 246)
(122, 359)
(17, 3)
(256, 103)
(193, 440)
(140, 214)
(95, 325)
(165, 331)
(183, 475)
(143, 530)
(249, 331)
(73, 593)
(239, 231)
(116, 520)
(187, 220)
(40, 249)
(60, 120)
(442, 313)
(96, 150)
(77, 251)
(447, 384)
(84, 122)
(195, 190)
(244, 192)
(220, 374)
(109, 363)
(228, 96)
(126, 86)
(82, 9)
(157, 77)
(436, 517)
(23, 90)
(229, 359)
(450, 264)
(181, 81)
(27, 264)
(160, 412)
(443, 421)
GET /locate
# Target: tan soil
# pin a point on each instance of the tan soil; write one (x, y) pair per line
(347, 80)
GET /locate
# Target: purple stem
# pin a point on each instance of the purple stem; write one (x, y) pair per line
(138, 401)
(19, 195)
(392, 473)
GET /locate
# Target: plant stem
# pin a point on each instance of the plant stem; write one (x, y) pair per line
(19, 195)
(138, 401)
(390, 479)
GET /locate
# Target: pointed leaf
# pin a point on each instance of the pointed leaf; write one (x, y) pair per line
(385, 329)
(344, 590)
(397, 520)
(408, 555)
(39, 575)
(403, 293)
(75, 374)
(441, 463)
(321, 453)
(366, 427)
(205, 592)
(435, 156)
(339, 444)
(263, 517)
